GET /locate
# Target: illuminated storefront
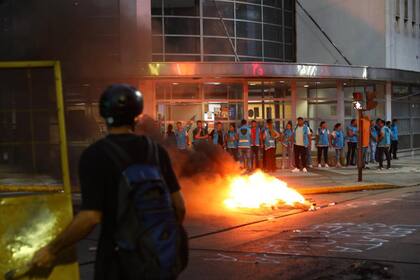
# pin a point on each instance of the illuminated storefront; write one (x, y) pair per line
(230, 92)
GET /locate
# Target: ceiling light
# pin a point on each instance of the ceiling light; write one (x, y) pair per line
(306, 86)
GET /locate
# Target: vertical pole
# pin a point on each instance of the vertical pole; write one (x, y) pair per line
(62, 128)
(388, 101)
(245, 85)
(293, 99)
(31, 119)
(359, 147)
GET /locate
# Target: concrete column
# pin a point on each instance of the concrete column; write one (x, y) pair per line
(147, 88)
(388, 101)
(293, 99)
(340, 103)
(245, 85)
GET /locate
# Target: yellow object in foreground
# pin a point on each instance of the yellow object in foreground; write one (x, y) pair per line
(28, 222)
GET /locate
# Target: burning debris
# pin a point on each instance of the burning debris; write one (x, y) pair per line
(260, 190)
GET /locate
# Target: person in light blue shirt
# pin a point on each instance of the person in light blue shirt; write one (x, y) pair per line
(373, 142)
(351, 142)
(322, 143)
(337, 139)
(244, 145)
(181, 134)
(384, 142)
(231, 140)
(288, 147)
(394, 139)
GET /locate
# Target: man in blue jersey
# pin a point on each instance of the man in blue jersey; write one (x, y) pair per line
(244, 145)
(394, 139)
(384, 142)
(351, 143)
(373, 142)
(181, 135)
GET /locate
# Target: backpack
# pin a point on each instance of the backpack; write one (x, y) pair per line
(149, 242)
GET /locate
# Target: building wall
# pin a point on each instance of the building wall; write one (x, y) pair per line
(357, 27)
(403, 34)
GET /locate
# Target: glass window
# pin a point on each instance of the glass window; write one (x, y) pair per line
(247, 47)
(405, 9)
(288, 36)
(274, 3)
(252, 1)
(288, 19)
(217, 46)
(182, 8)
(400, 109)
(157, 26)
(248, 30)
(214, 27)
(219, 58)
(157, 44)
(214, 90)
(272, 15)
(156, 7)
(157, 58)
(235, 91)
(273, 33)
(187, 26)
(289, 52)
(211, 10)
(185, 91)
(248, 12)
(273, 50)
(163, 91)
(182, 45)
(288, 4)
(170, 58)
(255, 90)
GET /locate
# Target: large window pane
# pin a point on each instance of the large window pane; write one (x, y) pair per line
(273, 33)
(156, 7)
(170, 58)
(248, 12)
(182, 45)
(157, 26)
(185, 91)
(211, 10)
(288, 35)
(214, 27)
(272, 15)
(251, 48)
(248, 30)
(217, 46)
(157, 44)
(182, 7)
(288, 4)
(288, 19)
(273, 50)
(219, 58)
(215, 91)
(274, 3)
(187, 26)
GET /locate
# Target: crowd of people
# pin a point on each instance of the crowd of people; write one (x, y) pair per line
(250, 142)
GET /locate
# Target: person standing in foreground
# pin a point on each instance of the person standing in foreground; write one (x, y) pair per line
(301, 142)
(322, 143)
(384, 141)
(200, 134)
(231, 140)
(218, 135)
(102, 181)
(365, 140)
(181, 134)
(269, 137)
(244, 145)
(255, 145)
(394, 139)
(287, 147)
(373, 142)
(338, 143)
(351, 142)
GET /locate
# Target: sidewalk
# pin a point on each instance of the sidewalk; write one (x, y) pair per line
(404, 172)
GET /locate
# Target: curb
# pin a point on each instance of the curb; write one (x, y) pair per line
(348, 188)
(31, 188)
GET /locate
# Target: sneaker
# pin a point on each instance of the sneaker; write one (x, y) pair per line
(338, 165)
(304, 170)
(319, 165)
(327, 166)
(380, 169)
(296, 170)
(311, 166)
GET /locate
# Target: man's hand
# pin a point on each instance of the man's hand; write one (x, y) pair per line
(43, 258)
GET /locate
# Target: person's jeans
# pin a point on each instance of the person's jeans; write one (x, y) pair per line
(351, 153)
(287, 158)
(394, 148)
(233, 152)
(308, 156)
(322, 151)
(300, 156)
(255, 159)
(338, 155)
(365, 156)
(270, 157)
(372, 148)
(381, 152)
(245, 157)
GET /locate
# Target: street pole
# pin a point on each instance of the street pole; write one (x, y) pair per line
(359, 147)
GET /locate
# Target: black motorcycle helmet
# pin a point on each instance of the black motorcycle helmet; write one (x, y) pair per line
(120, 104)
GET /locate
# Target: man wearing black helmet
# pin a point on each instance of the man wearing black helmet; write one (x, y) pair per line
(100, 182)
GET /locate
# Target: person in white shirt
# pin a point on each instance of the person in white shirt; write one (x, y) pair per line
(301, 142)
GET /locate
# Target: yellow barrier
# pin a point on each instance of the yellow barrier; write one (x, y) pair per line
(28, 221)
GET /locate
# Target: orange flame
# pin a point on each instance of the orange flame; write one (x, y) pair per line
(260, 190)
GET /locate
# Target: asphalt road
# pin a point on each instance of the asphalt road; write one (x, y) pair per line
(364, 235)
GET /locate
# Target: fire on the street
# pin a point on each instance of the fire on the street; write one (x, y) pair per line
(260, 190)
